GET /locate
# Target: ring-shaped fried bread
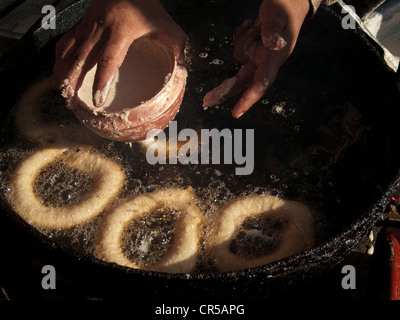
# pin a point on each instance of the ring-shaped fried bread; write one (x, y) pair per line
(183, 254)
(293, 234)
(29, 120)
(108, 179)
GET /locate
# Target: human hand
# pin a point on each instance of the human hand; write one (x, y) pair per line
(262, 48)
(104, 37)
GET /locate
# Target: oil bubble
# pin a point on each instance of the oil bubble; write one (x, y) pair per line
(217, 62)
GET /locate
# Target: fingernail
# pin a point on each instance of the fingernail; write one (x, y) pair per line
(274, 42)
(236, 113)
(100, 97)
(239, 115)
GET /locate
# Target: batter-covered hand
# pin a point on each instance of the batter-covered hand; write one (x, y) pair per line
(104, 37)
(262, 48)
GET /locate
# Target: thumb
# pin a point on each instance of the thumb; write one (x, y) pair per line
(273, 41)
(175, 43)
(273, 21)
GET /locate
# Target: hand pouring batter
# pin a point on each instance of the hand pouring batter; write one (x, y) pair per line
(145, 94)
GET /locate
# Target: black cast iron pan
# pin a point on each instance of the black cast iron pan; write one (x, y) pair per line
(330, 70)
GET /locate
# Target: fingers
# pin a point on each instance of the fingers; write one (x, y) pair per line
(281, 22)
(273, 41)
(267, 50)
(76, 67)
(273, 20)
(242, 28)
(245, 41)
(229, 87)
(262, 48)
(273, 33)
(74, 57)
(243, 79)
(218, 94)
(253, 94)
(64, 47)
(176, 42)
(113, 53)
(179, 50)
(264, 76)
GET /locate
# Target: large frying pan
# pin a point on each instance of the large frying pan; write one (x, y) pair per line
(330, 68)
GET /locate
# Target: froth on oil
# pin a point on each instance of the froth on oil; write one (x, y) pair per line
(58, 185)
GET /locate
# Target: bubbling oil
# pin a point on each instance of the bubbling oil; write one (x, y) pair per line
(257, 236)
(58, 185)
(147, 239)
(51, 109)
(283, 167)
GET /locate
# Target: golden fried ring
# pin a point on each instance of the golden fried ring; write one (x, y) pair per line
(28, 120)
(296, 236)
(182, 256)
(108, 179)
